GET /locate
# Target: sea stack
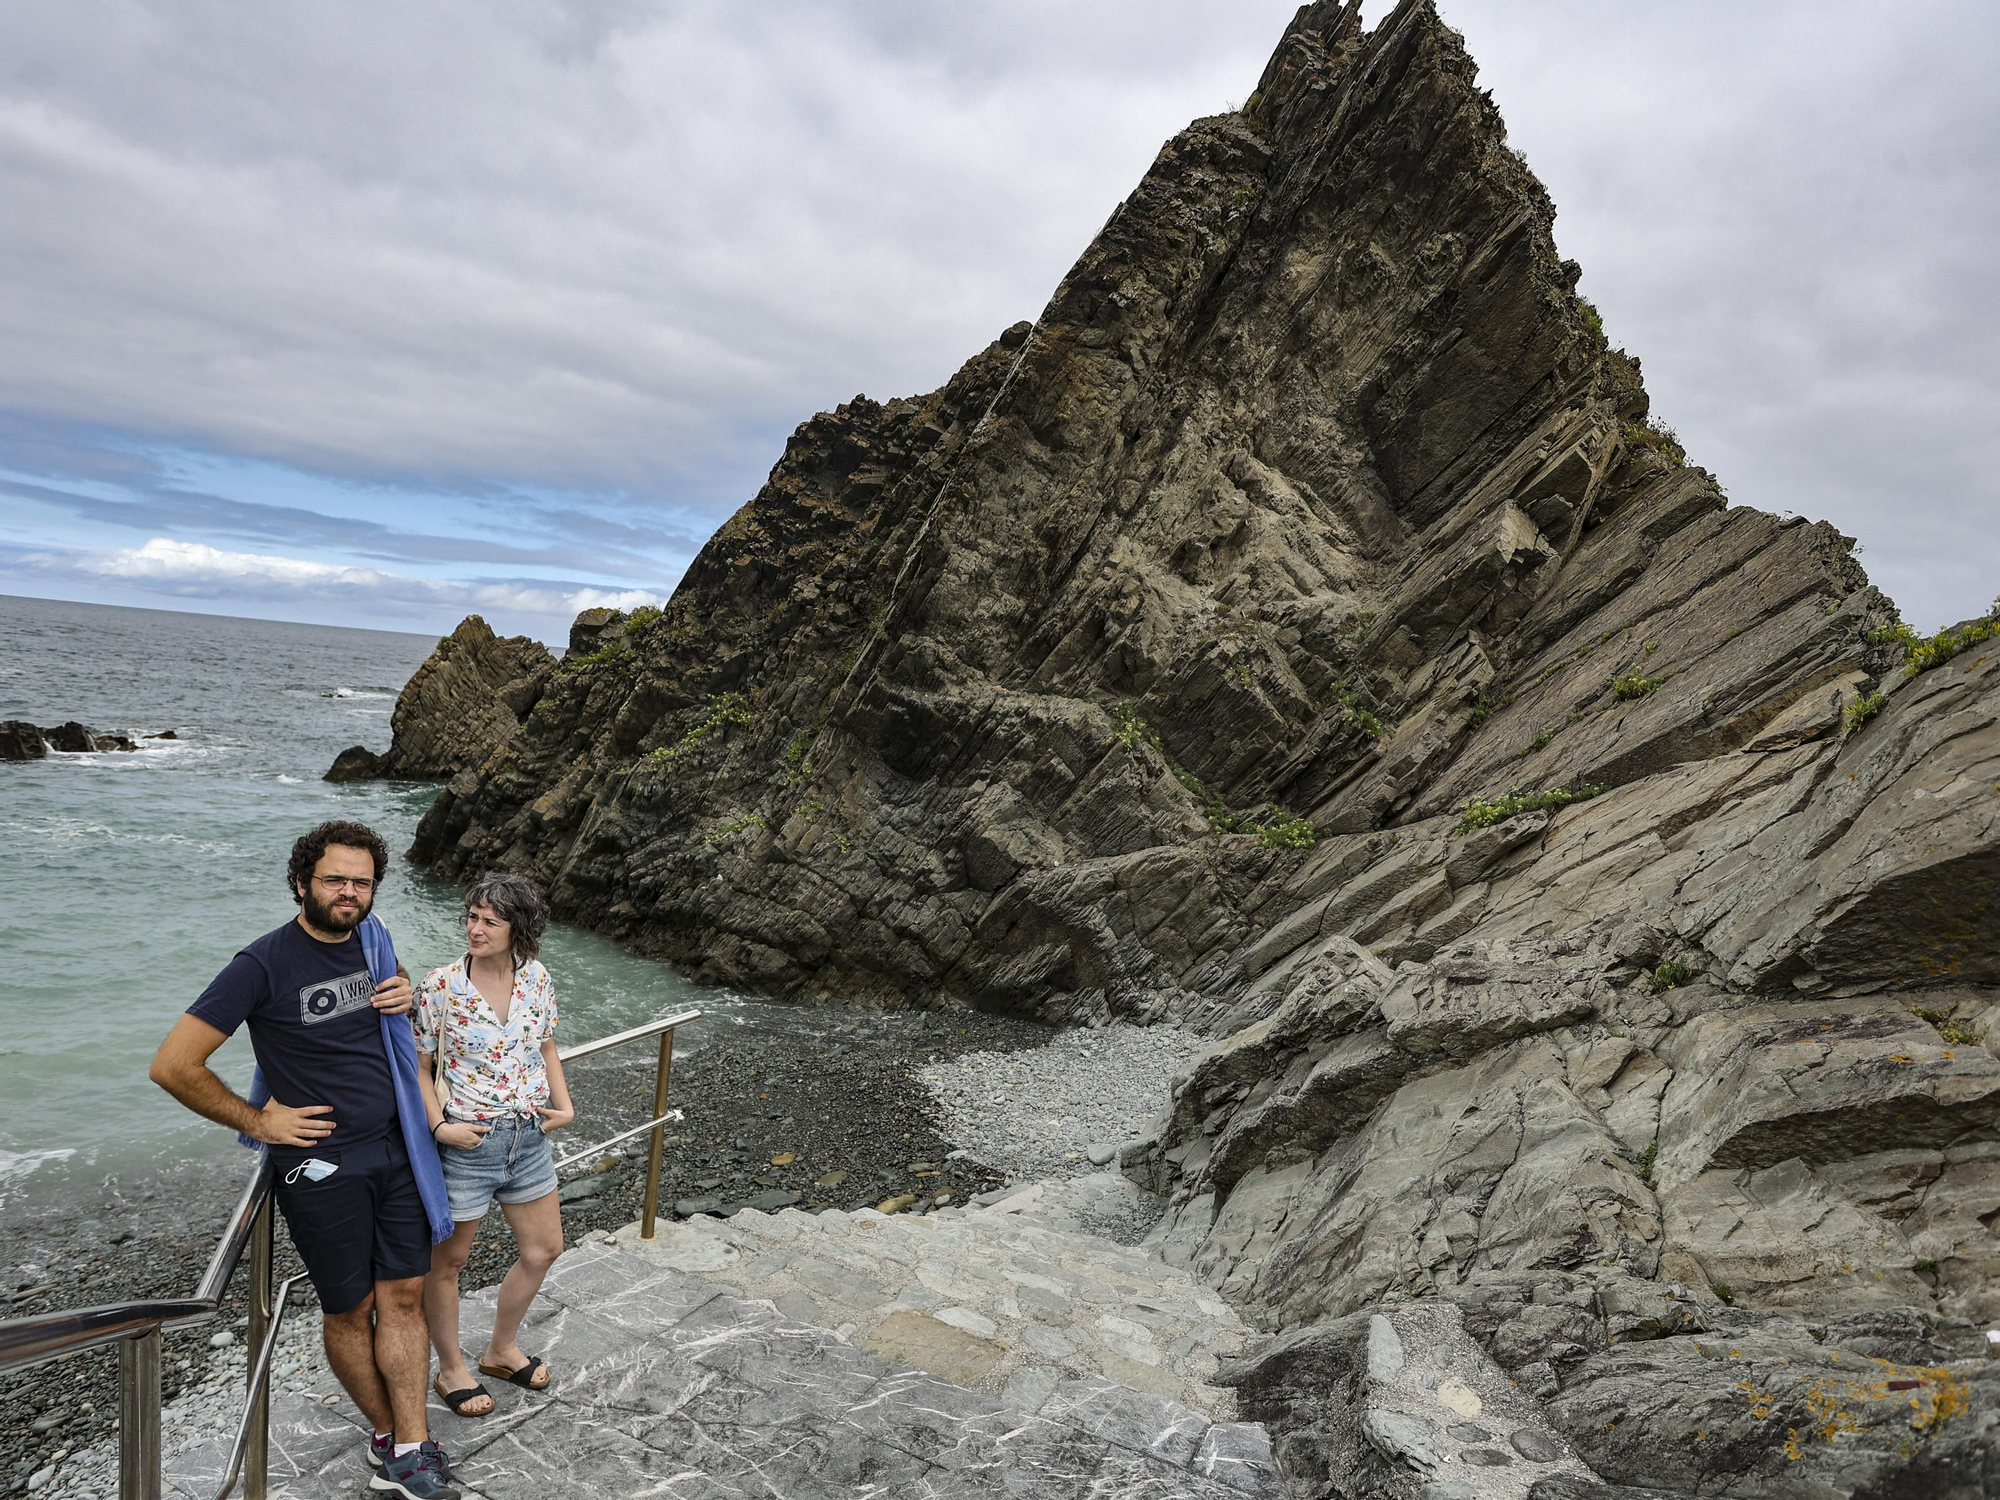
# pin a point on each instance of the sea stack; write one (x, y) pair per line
(1302, 632)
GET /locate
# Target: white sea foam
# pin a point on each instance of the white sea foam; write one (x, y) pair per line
(17, 1165)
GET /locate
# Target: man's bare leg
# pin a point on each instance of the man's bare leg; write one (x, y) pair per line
(350, 1349)
(403, 1354)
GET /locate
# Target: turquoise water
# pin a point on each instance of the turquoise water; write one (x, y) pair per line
(128, 880)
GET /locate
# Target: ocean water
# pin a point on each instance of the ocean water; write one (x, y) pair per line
(127, 880)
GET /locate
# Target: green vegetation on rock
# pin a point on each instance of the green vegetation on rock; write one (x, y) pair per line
(1942, 647)
(603, 656)
(1861, 710)
(1671, 975)
(1921, 654)
(1484, 812)
(1284, 831)
(1130, 730)
(797, 767)
(724, 710)
(1659, 437)
(1947, 1026)
(1624, 689)
(730, 830)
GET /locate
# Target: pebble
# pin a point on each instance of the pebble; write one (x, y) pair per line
(1031, 1114)
(221, 1340)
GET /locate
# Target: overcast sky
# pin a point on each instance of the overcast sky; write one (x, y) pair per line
(375, 313)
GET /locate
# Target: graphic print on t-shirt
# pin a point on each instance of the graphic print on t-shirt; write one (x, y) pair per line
(334, 997)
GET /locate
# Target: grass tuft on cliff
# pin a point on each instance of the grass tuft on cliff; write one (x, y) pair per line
(1659, 437)
(1625, 689)
(1861, 710)
(1921, 654)
(724, 710)
(1130, 730)
(1484, 812)
(1284, 831)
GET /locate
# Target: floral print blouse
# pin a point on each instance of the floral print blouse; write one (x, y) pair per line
(494, 1067)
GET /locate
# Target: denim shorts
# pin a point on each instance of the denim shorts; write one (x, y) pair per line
(512, 1162)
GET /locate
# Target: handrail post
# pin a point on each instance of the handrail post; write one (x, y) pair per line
(657, 1150)
(139, 1417)
(257, 1453)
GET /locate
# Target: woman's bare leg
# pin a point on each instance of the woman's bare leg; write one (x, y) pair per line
(537, 1230)
(441, 1314)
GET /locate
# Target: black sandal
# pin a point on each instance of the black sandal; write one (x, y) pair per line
(523, 1377)
(456, 1399)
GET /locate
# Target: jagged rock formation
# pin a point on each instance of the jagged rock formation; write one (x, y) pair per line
(1143, 670)
(467, 701)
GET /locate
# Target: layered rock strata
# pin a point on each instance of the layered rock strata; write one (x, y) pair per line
(1177, 658)
(467, 702)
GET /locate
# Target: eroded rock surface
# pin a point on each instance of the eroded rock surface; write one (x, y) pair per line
(1146, 670)
(464, 707)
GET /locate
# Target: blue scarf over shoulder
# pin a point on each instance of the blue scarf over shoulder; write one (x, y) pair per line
(401, 1045)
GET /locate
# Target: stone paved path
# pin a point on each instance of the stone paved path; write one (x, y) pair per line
(987, 1298)
(668, 1387)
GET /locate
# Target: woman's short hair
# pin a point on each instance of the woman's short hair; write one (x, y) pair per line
(515, 900)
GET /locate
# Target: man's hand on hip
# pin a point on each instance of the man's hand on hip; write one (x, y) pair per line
(281, 1125)
(394, 996)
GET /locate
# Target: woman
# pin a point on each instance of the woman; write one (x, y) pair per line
(491, 1016)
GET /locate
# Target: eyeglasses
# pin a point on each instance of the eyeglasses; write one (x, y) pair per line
(359, 883)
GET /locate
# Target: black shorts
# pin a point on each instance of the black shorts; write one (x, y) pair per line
(363, 1224)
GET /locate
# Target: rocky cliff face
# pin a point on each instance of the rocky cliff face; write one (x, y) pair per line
(1177, 659)
(467, 701)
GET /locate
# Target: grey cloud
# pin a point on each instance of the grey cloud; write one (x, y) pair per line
(1787, 210)
(596, 250)
(306, 587)
(608, 246)
(186, 511)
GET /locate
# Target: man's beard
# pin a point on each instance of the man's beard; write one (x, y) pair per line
(319, 915)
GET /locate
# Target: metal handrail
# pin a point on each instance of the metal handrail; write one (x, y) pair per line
(136, 1327)
(30, 1341)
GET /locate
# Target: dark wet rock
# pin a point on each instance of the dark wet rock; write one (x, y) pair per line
(20, 740)
(72, 738)
(463, 706)
(356, 763)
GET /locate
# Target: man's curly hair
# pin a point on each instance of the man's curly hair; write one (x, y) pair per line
(306, 852)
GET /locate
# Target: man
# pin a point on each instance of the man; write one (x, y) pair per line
(343, 1175)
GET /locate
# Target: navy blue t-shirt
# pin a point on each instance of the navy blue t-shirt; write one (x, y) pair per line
(316, 1036)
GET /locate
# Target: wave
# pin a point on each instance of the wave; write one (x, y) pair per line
(71, 831)
(17, 1165)
(348, 692)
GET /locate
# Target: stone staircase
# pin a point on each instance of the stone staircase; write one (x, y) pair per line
(668, 1385)
(998, 1299)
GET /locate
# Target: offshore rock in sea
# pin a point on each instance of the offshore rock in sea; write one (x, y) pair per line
(1178, 658)
(464, 704)
(20, 740)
